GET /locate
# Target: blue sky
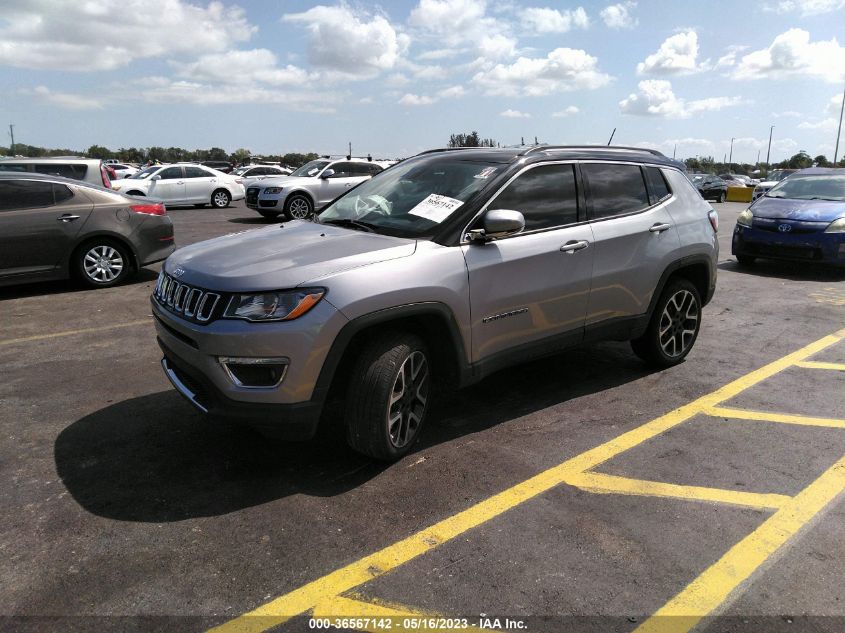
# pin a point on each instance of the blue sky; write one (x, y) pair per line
(399, 77)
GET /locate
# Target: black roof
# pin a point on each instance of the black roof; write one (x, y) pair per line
(572, 152)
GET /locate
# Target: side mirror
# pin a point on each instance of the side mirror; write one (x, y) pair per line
(327, 174)
(156, 177)
(498, 223)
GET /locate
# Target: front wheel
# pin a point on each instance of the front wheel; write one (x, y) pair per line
(220, 199)
(298, 207)
(673, 327)
(102, 263)
(388, 397)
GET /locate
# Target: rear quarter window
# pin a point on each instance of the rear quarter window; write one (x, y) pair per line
(615, 189)
(65, 170)
(658, 187)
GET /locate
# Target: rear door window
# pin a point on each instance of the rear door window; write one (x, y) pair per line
(75, 171)
(25, 194)
(615, 189)
(546, 196)
(171, 173)
(195, 172)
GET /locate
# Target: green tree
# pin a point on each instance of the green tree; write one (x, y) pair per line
(98, 151)
(240, 156)
(295, 159)
(215, 153)
(470, 140)
(822, 161)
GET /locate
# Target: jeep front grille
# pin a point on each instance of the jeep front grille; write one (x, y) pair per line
(189, 302)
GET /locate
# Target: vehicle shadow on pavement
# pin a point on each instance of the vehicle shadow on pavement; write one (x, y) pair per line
(62, 286)
(153, 459)
(793, 271)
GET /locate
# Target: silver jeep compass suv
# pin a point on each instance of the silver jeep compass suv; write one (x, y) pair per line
(439, 271)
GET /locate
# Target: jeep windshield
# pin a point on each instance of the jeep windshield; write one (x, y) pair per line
(411, 199)
(311, 169)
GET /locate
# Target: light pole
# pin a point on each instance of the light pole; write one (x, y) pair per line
(731, 157)
(839, 130)
(769, 151)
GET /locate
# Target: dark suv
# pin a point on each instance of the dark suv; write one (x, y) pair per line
(438, 271)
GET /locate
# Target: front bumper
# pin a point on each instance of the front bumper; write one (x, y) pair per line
(828, 248)
(192, 354)
(262, 201)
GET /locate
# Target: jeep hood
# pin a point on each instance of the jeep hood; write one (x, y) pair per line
(279, 257)
(803, 210)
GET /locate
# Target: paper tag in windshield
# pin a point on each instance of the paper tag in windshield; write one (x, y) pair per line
(484, 173)
(436, 208)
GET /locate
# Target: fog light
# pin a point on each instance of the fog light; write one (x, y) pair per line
(255, 373)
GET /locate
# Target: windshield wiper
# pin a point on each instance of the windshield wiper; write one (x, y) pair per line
(352, 224)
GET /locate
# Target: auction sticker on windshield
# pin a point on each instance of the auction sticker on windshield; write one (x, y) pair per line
(436, 207)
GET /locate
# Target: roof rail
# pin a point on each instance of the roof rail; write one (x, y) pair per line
(605, 147)
(450, 149)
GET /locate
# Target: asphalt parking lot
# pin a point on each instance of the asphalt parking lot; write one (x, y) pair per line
(581, 492)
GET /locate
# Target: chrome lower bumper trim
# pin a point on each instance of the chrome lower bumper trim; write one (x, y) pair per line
(180, 386)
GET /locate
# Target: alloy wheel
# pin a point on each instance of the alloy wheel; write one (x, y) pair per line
(299, 208)
(103, 263)
(408, 400)
(678, 323)
(221, 199)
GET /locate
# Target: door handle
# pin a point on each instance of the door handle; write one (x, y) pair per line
(659, 228)
(180, 182)
(348, 184)
(574, 246)
(67, 217)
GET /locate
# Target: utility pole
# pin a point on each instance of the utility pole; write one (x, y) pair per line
(12, 134)
(731, 157)
(611, 136)
(349, 156)
(839, 130)
(675, 149)
(769, 151)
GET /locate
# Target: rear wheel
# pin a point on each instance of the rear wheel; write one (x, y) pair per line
(102, 263)
(673, 327)
(388, 396)
(220, 199)
(298, 207)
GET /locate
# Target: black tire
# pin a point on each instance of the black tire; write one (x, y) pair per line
(375, 378)
(298, 207)
(654, 348)
(722, 196)
(220, 199)
(746, 260)
(101, 263)
(270, 215)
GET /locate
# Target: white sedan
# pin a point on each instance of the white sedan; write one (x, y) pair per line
(121, 170)
(184, 183)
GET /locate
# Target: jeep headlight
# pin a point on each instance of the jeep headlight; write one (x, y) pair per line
(273, 190)
(837, 226)
(273, 306)
(745, 218)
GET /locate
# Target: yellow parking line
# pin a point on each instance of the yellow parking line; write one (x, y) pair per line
(89, 330)
(707, 592)
(811, 364)
(340, 607)
(357, 573)
(611, 484)
(765, 416)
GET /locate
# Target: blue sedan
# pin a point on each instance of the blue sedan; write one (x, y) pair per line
(802, 218)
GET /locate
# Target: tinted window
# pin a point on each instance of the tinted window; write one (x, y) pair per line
(615, 189)
(359, 169)
(658, 187)
(374, 169)
(61, 193)
(170, 172)
(10, 167)
(546, 196)
(343, 170)
(195, 172)
(25, 194)
(77, 171)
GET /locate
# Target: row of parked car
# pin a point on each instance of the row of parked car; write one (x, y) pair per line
(712, 187)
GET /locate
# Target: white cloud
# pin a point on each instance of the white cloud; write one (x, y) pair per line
(515, 114)
(350, 43)
(66, 100)
(545, 20)
(452, 92)
(792, 114)
(457, 25)
(90, 36)
(792, 54)
(618, 16)
(656, 98)
(807, 7)
(564, 69)
(831, 121)
(244, 67)
(568, 111)
(440, 53)
(729, 58)
(676, 56)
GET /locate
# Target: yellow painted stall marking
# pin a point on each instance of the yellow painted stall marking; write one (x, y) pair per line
(357, 573)
(809, 364)
(707, 592)
(611, 484)
(782, 418)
